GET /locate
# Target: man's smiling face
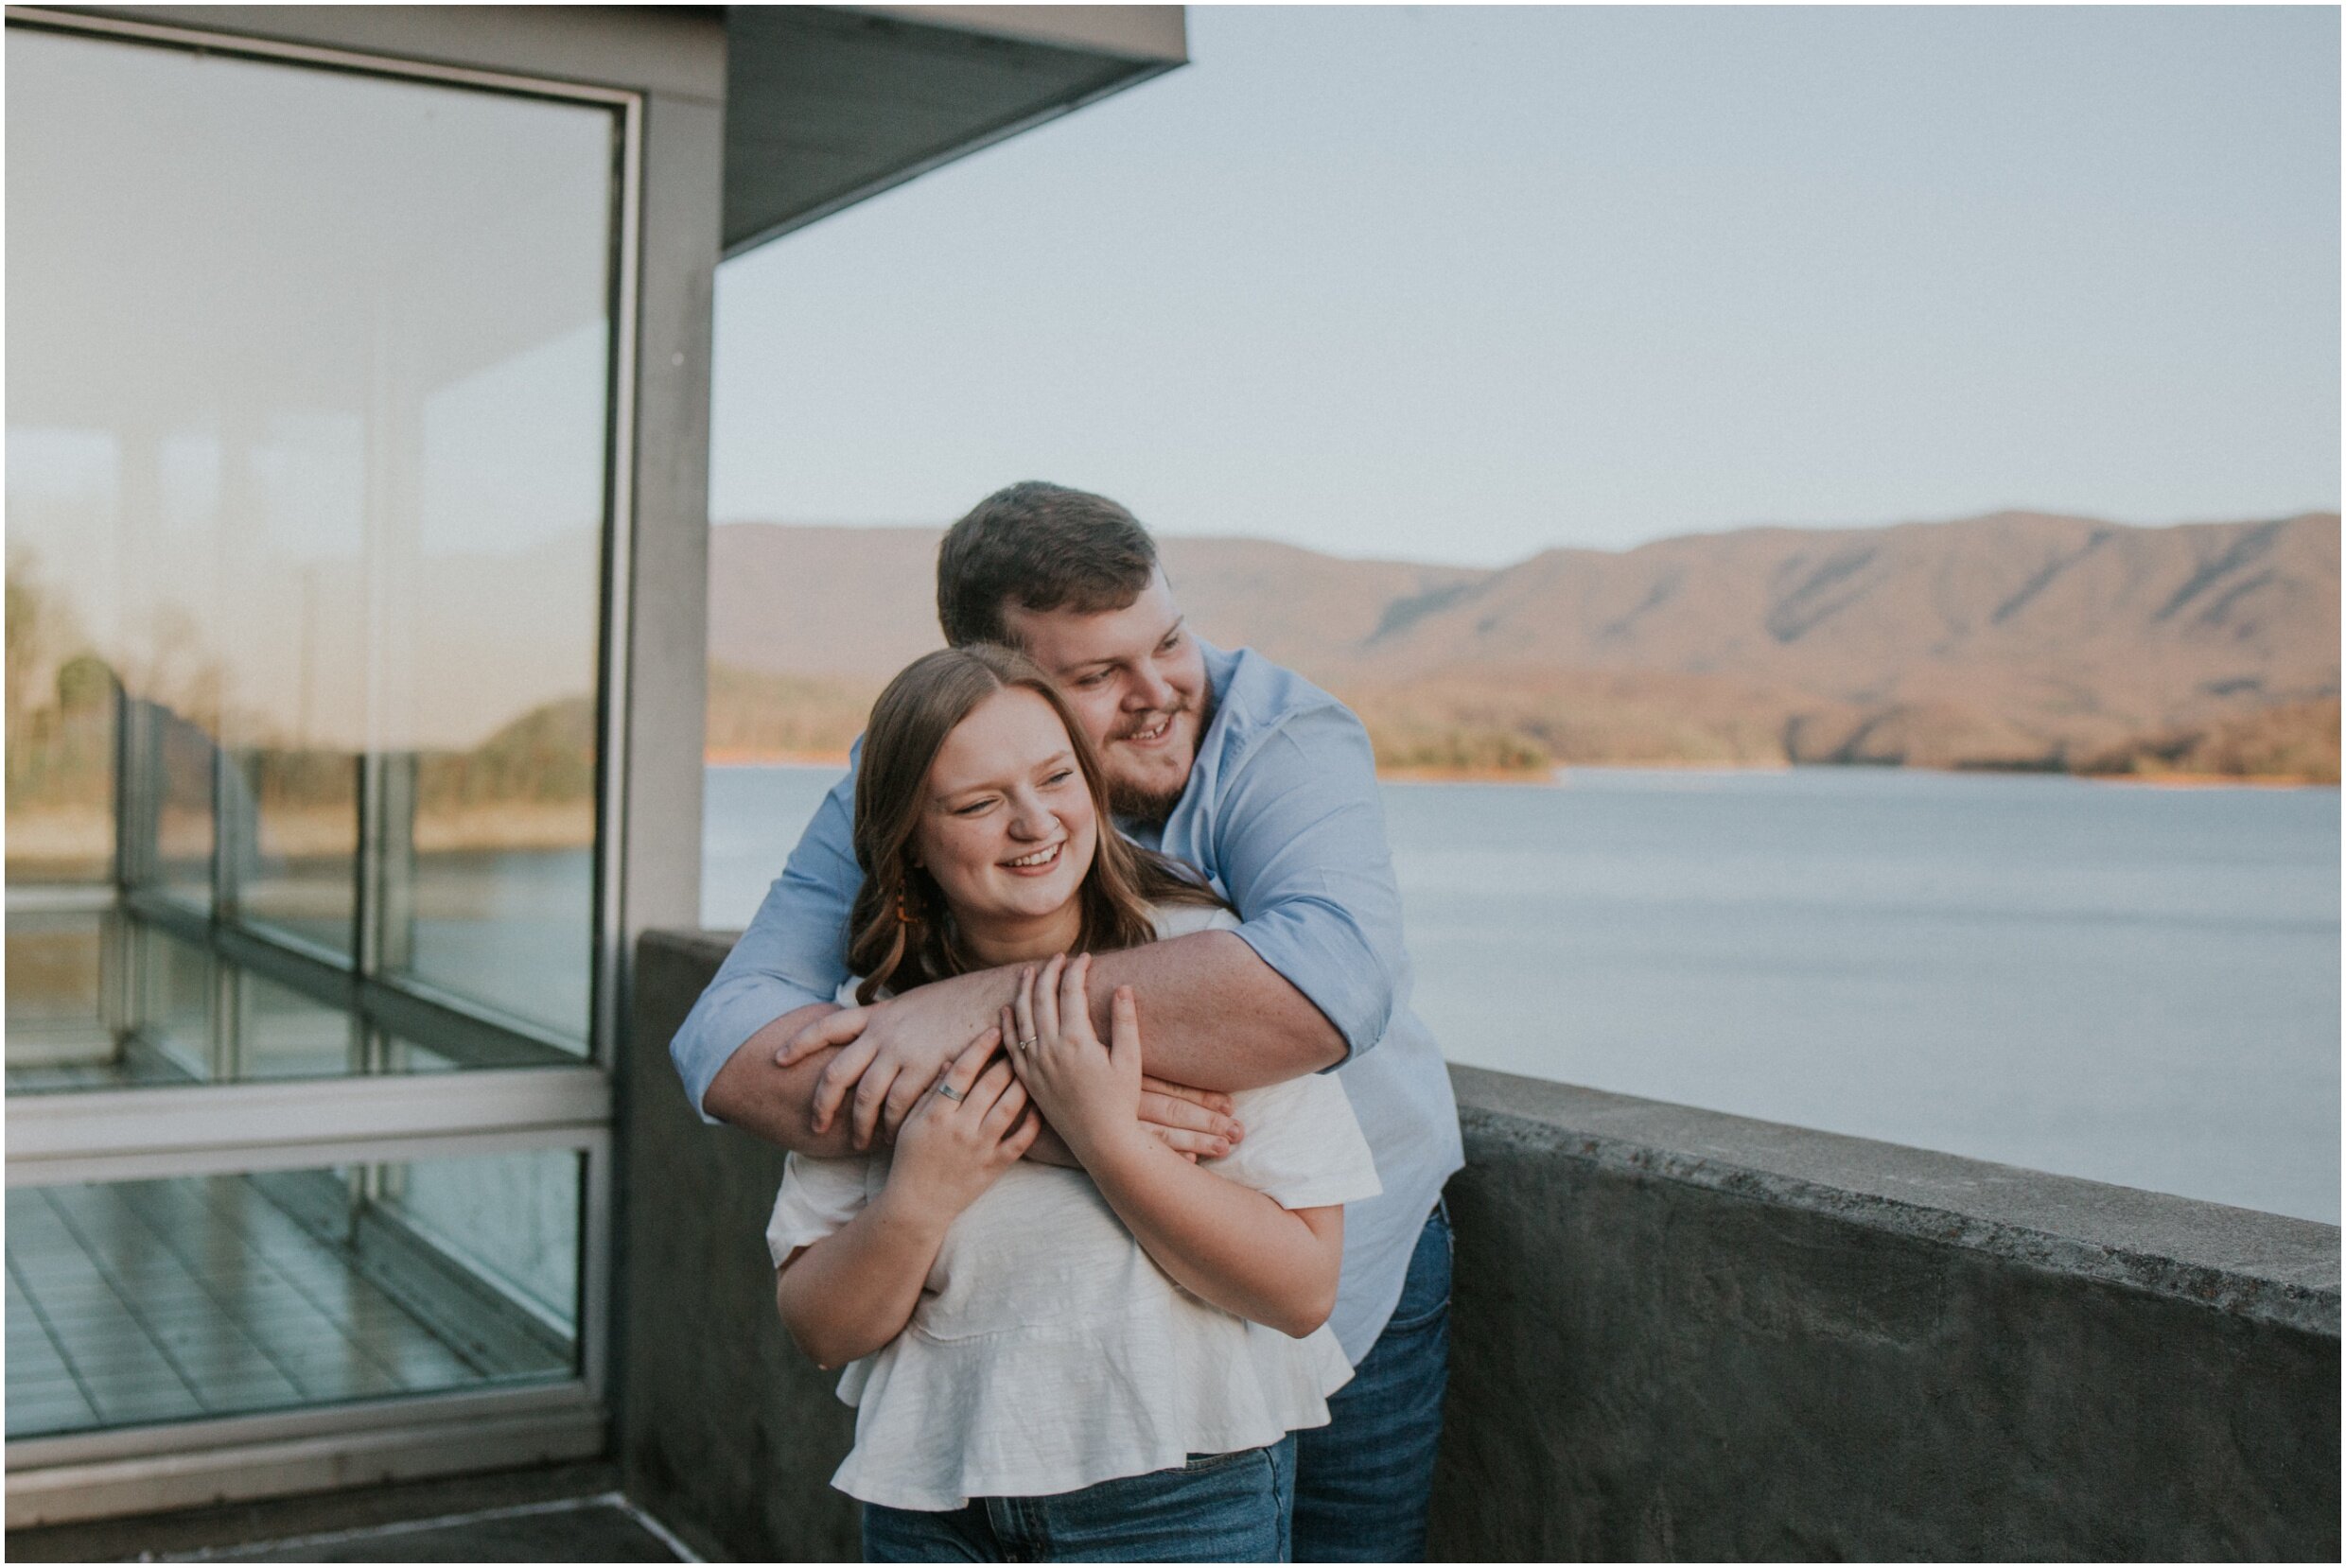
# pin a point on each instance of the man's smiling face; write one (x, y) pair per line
(1137, 684)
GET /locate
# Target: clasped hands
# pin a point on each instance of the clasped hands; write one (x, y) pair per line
(893, 1051)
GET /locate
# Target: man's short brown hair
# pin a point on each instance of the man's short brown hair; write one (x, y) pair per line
(1040, 547)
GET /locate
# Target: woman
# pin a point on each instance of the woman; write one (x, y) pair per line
(1054, 1364)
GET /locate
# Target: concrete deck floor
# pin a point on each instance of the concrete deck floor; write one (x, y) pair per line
(569, 1514)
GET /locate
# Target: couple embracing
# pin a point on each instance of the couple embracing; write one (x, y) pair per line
(1116, 1151)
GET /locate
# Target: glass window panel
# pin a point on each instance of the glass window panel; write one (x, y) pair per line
(172, 1038)
(283, 1034)
(324, 483)
(510, 1220)
(61, 731)
(144, 1301)
(182, 761)
(299, 873)
(512, 927)
(58, 1037)
(200, 1017)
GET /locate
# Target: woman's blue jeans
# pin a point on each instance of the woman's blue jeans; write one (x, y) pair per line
(1218, 1508)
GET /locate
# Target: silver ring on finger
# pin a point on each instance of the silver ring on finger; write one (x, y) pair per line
(1028, 1043)
(947, 1090)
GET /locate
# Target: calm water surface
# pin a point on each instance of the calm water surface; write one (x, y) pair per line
(2139, 986)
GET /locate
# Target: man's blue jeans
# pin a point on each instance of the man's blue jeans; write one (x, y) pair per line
(1219, 1507)
(1363, 1481)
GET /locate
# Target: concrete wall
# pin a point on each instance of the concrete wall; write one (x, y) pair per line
(1680, 1334)
(1677, 1334)
(724, 1432)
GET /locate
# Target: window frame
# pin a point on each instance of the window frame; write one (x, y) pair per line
(123, 1134)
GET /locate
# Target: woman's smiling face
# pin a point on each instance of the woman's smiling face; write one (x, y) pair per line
(1007, 828)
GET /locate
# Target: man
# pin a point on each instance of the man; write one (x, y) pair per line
(1267, 784)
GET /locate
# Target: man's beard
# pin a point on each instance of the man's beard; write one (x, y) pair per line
(1141, 808)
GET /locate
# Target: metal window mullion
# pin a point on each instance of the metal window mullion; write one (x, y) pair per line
(228, 836)
(215, 1127)
(41, 1467)
(359, 64)
(390, 859)
(617, 598)
(597, 1300)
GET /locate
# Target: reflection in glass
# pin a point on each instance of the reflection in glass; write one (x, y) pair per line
(172, 1038)
(61, 736)
(502, 874)
(283, 1034)
(324, 488)
(57, 1031)
(197, 1017)
(299, 872)
(61, 833)
(174, 817)
(142, 1302)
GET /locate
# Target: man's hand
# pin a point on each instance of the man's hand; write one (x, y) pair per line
(890, 1053)
(1195, 1123)
(1191, 1122)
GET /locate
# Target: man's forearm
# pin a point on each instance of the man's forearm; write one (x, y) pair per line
(1214, 1014)
(775, 1103)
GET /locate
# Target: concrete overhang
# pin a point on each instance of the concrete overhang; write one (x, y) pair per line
(827, 105)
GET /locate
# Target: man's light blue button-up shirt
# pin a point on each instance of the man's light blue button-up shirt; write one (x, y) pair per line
(1282, 812)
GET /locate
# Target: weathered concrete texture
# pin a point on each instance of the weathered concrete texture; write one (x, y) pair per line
(1677, 1334)
(1681, 1334)
(725, 1433)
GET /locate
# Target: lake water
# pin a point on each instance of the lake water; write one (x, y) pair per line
(2139, 986)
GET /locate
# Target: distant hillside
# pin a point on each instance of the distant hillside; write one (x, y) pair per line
(2014, 641)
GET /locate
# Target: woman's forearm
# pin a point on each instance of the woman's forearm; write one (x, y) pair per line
(852, 1291)
(1226, 1243)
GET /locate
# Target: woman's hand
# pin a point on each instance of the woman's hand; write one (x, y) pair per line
(1090, 1092)
(962, 1135)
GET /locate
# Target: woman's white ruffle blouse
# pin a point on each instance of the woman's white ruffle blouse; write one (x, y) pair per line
(1048, 1352)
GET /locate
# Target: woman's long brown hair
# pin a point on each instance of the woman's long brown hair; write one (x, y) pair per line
(900, 933)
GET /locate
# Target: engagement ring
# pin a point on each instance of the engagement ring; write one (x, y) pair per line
(1028, 1041)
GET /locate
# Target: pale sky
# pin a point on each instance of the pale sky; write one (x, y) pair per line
(1464, 284)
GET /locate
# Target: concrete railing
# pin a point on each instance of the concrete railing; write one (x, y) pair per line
(1675, 1334)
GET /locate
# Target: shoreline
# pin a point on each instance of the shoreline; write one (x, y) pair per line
(753, 757)
(2210, 780)
(85, 836)
(743, 757)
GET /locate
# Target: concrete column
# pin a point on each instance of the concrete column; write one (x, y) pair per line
(667, 626)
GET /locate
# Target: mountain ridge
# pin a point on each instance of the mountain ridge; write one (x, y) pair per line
(2012, 639)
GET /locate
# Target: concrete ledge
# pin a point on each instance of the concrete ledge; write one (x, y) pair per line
(1675, 1335)
(1678, 1335)
(2263, 1266)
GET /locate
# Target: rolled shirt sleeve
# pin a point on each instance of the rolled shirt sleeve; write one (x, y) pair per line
(792, 955)
(1299, 848)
